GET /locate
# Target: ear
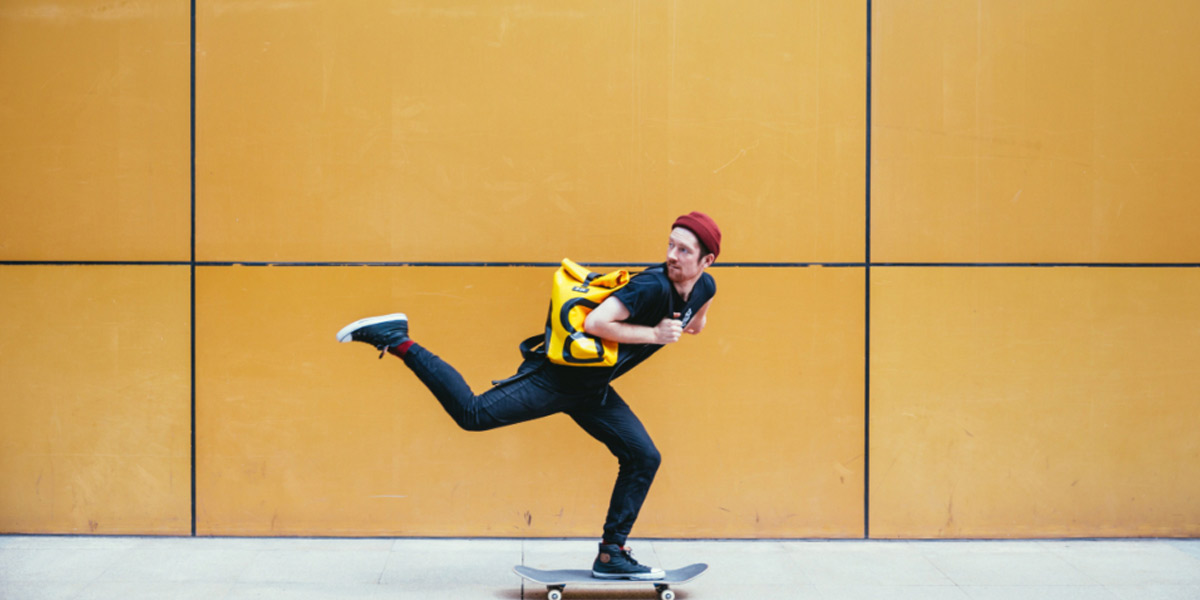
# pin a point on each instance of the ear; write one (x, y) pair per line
(708, 260)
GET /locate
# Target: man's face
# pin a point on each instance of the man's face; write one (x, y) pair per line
(683, 256)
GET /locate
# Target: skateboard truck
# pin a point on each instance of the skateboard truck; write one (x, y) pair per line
(555, 592)
(557, 581)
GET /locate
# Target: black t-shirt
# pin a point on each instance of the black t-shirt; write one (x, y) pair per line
(650, 297)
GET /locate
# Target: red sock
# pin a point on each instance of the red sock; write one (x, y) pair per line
(402, 349)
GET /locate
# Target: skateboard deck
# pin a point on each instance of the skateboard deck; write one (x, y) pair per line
(557, 580)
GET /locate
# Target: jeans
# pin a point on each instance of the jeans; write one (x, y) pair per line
(531, 395)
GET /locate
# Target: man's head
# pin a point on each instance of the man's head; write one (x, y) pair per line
(695, 244)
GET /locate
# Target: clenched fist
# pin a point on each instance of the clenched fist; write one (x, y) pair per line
(668, 331)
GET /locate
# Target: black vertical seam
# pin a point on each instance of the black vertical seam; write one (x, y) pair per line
(867, 305)
(192, 265)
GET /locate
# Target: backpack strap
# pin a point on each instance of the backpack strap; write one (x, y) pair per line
(666, 286)
(534, 347)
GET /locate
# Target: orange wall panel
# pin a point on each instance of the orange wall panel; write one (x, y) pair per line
(1013, 402)
(95, 393)
(299, 435)
(1032, 131)
(418, 132)
(94, 109)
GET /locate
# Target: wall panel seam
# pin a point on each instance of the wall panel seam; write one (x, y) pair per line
(725, 265)
(192, 184)
(867, 292)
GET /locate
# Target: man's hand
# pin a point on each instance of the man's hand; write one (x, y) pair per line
(668, 330)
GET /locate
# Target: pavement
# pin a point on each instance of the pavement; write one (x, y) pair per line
(131, 568)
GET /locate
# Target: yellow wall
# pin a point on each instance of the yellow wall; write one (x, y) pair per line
(95, 399)
(1016, 402)
(1031, 131)
(1012, 401)
(417, 132)
(94, 110)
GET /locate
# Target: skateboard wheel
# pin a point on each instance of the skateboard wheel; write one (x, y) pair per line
(554, 595)
(666, 595)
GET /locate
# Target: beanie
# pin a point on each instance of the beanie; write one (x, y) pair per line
(705, 229)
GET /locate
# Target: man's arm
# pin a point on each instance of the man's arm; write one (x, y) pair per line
(608, 322)
(696, 325)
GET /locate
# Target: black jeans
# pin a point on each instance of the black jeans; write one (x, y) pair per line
(533, 395)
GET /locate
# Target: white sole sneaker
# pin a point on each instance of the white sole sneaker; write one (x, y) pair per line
(343, 336)
(653, 575)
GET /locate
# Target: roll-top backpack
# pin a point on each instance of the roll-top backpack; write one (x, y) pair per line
(574, 294)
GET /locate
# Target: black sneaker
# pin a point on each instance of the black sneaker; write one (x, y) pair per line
(381, 332)
(615, 562)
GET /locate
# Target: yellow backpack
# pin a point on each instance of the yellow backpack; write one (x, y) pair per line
(576, 291)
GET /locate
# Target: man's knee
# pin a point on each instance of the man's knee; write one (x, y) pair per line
(647, 460)
(472, 425)
(476, 422)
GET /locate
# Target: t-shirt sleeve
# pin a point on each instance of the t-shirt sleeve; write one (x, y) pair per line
(641, 297)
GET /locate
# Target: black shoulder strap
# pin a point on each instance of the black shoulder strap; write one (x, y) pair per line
(670, 292)
(666, 287)
(533, 346)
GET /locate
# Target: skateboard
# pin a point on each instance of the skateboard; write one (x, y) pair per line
(557, 580)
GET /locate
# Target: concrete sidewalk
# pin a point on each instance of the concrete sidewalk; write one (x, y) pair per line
(130, 568)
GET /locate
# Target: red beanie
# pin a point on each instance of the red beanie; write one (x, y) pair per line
(704, 227)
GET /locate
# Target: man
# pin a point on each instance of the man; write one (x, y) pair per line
(653, 310)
